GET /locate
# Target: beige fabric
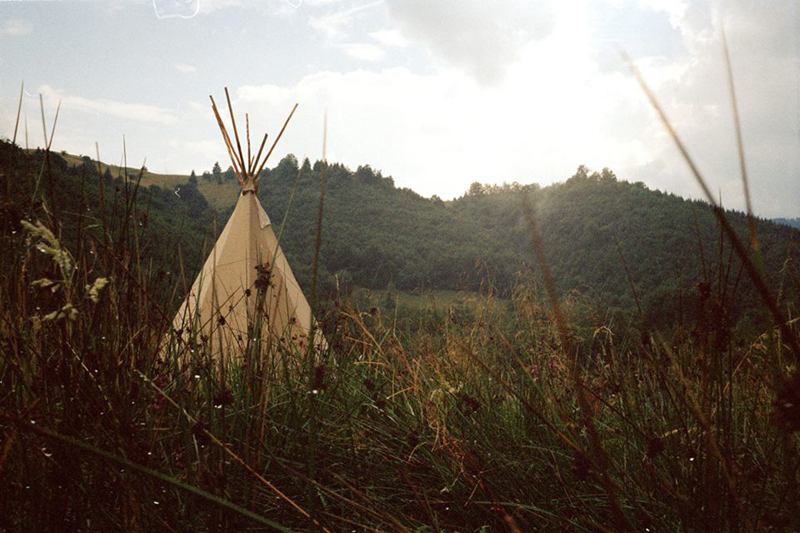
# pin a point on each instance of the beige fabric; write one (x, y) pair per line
(240, 284)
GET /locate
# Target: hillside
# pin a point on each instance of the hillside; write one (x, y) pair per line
(150, 178)
(376, 235)
(793, 222)
(85, 209)
(219, 196)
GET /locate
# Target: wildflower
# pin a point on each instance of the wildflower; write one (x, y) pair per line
(535, 373)
(158, 403)
(179, 460)
(263, 278)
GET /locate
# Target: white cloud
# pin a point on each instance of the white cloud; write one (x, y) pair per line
(330, 24)
(185, 9)
(440, 131)
(481, 37)
(675, 8)
(390, 37)
(696, 99)
(186, 69)
(111, 108)
(553, 109)
(334, 25)
(15, 28)
(200, 148)
(364, 51)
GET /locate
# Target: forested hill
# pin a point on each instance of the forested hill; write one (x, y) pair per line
(85, 209)
(376, 234)
(793, 222)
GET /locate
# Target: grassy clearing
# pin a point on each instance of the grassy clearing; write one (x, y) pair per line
(474, 421)
(436, 300)
(148, 178)
(220, 196)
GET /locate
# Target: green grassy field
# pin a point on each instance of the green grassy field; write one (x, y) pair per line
(439, 300)
(219, 196)
(148, 178)
(483, 416)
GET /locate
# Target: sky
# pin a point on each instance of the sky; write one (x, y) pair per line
(435, 93)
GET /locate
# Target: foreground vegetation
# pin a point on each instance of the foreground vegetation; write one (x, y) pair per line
(540, 417)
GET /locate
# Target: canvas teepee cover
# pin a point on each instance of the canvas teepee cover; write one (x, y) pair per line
(246, 289)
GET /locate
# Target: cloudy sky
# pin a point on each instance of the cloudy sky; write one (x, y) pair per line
(436, 93)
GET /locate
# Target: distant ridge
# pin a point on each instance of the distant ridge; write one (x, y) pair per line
(793, 222)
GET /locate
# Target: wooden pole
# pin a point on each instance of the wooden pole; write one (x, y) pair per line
(228, 144)
(249, 157)
(258, 156)
(278, 138)
(235, 131)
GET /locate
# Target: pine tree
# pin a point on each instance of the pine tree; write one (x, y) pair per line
(216, 171)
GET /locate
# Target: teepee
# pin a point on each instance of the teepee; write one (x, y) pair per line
(246, 291)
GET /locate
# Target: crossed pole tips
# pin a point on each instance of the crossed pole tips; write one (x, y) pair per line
(251, 167)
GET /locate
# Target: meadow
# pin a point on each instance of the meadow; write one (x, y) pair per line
(493, 415)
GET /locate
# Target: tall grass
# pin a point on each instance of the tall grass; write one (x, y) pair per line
(480, 422)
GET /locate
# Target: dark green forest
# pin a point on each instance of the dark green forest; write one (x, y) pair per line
(376, 234)
(86, 207)
(603, 237)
